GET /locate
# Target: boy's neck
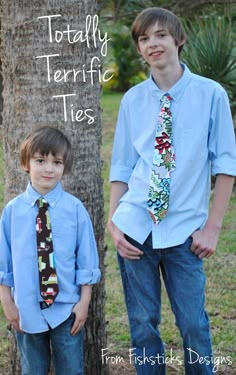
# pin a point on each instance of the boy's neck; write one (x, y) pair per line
(167, 77)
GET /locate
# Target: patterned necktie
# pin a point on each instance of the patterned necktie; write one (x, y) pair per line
(163, 163)
(47, 273)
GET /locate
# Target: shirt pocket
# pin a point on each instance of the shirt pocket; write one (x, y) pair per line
(191, 144)
(65, 235)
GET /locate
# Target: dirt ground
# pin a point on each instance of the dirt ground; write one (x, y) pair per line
(126, 368)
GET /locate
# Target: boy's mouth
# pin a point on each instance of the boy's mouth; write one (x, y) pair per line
(157, 53)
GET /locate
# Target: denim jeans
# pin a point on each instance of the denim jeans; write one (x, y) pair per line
(67, 351)
(183, 275)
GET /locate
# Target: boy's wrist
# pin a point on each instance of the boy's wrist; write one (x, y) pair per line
(5, 293)
(86, 292)
(214, 226)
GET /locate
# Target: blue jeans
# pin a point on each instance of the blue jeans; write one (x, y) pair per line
(67, 351)
(183, 275)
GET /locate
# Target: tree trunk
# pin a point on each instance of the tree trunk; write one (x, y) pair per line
(33, 96)
(14, 363)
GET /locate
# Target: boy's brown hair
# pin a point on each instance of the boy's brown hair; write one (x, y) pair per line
(148, 17)
(46, 140)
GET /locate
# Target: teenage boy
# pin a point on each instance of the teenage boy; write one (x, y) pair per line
(158, 216)
(56, 314)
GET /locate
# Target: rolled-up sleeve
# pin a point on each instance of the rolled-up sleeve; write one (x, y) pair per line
(6, 270)
(88, 276)
(87, 262)
(7, 279)
(222, 148)
(124, 155)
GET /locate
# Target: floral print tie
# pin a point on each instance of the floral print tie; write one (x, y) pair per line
(163, 164)
(48, 282)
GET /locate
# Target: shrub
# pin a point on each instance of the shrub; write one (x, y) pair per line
(210, 51)
(129, 68)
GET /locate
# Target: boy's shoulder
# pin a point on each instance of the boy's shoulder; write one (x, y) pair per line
(137, 92)
(139, 87)
(207, 82)
(18, 199)
(15, 204)
(72, 205)
(70, 200)
(66, 197)
(201, 83)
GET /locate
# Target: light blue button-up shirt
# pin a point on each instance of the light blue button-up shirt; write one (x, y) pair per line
(204, 144)
(75, 252)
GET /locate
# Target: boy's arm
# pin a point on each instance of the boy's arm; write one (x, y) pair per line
(6, 275)
(205, 240)
(9, 307)
(87, 268)
(81, 309)
(125, 249)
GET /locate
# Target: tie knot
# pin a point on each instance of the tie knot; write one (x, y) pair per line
(42, 203)
(166, 101)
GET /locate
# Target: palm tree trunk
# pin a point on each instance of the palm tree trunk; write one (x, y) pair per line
(33, 96)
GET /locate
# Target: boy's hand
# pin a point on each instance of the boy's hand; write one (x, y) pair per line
(81, 313)
(204, 242)
(12, 315)
(124, 248)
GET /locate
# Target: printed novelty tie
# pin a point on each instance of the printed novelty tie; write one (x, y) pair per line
(47, 273)
(163, 163)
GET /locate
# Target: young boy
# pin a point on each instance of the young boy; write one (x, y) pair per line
(56, 314)
(159, 199)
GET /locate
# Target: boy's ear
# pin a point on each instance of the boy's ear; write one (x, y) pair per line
(137, 49)
(25, 168)
(180, 44)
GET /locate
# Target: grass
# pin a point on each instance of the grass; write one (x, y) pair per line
(220, 291)
(115, 309)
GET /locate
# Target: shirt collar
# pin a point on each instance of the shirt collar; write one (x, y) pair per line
(51, 197)
(177, 90)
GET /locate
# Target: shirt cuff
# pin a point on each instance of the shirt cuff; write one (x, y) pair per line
(7, 279)
(228, 169)
(89, 277)
(120, 173)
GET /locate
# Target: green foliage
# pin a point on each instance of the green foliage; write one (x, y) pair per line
(128, 66)
(210, 51)
(125, 10)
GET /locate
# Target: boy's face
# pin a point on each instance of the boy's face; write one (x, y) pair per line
(45, 171)
(158, 47)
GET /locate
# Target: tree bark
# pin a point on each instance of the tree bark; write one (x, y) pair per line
(14, 363)
(29, 102)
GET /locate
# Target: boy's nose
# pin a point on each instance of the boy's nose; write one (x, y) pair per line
(49, 167)
(153, 42)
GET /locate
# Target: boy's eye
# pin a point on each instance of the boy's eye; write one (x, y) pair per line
(39, 160)
(59, 162)
(142, 39)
